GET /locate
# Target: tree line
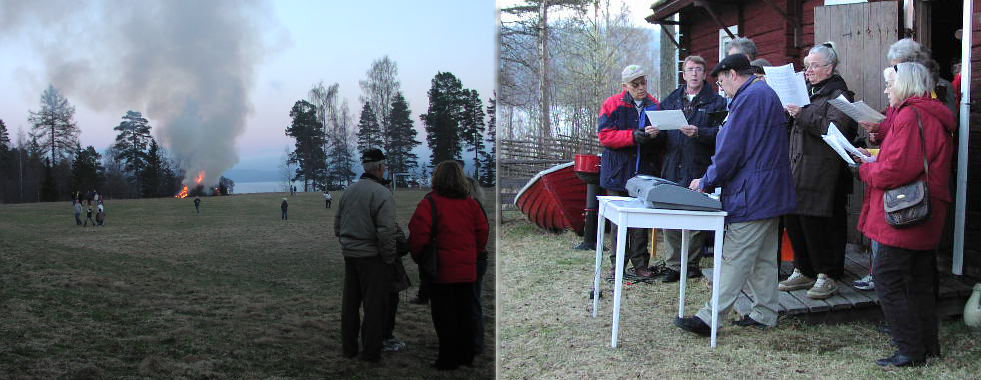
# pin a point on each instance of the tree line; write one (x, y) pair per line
(327, 143)
(559, 60)
(48, 163)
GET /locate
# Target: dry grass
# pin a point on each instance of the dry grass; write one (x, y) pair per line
(162, 293)
(546, 329)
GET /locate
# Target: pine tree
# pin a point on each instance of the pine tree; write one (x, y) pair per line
(488, 168)
(369, 131)
(309, 152)
(402, 138)
(153, 173)
(443, 118)
(87, 171)
(131, 145)
(4, 137)
(472, 126)
(54, 125)
(340, 155)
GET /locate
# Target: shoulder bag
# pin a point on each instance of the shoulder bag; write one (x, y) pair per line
(909, 205)
(429, 262)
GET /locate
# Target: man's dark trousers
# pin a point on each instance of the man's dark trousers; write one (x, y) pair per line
(636, 251)
(906, 283)
(367, 283)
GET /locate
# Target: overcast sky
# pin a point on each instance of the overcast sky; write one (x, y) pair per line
(303, 42)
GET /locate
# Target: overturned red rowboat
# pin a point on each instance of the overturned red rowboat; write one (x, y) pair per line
(554, 199)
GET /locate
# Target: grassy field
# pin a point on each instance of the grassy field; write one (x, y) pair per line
(546, 329)
(160, 292)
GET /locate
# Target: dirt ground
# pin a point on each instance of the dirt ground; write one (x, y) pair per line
(162, 292)
(546, 329)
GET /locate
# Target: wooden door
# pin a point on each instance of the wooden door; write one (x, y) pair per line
(863, 33)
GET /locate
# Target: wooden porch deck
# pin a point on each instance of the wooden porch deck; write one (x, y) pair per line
(849, 303)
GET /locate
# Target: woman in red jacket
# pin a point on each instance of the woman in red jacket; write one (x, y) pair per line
(905, 268)
(461, 232)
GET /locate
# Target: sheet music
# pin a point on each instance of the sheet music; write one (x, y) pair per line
(841, 145)
(788, 85)
(668, 119)
(859, 111)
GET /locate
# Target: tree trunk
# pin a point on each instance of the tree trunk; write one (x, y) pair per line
(546, 130)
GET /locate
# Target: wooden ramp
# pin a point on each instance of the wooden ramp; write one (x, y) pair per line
(850, 304)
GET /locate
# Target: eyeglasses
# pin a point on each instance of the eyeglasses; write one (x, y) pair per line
(815, 66)
(719, 83)
(695, 70)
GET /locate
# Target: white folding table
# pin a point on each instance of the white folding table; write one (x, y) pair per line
(627, 212)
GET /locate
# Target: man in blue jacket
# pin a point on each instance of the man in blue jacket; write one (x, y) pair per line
(688, 153)
(752, 166)
(627, 136)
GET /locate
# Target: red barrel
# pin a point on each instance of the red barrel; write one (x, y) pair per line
(587, 163)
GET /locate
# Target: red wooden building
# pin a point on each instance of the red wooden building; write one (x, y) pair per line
(784, 30)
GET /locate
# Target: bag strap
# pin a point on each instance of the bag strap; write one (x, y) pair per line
(432, 231)
(926, 166)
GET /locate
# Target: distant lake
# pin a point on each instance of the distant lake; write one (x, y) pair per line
(264, 187)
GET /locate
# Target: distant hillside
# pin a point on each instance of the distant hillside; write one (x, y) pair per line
(251, 175)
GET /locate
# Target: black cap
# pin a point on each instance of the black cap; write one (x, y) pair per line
(372, 155)
(737, 62)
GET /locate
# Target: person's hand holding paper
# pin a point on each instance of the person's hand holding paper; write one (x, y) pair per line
(667, 120)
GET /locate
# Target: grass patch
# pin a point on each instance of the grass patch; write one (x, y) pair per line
(546, 329)
(161, 292)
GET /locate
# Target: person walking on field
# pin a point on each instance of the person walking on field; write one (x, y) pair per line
(366, 227)
(100, 215)
(283, 206)
(197, 205)
(78, 211)
(88, 218)
(327, 199)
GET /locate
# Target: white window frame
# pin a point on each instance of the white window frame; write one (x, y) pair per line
(724, 40)
(840, 2)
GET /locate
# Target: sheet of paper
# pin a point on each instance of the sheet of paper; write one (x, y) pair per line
(859, 111)
(842, 146)
(667, 120)
(788, 85)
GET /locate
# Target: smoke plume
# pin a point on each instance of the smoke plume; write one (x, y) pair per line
(189, 66)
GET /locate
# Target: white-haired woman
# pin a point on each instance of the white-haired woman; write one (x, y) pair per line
(915, 134)
(818, 228)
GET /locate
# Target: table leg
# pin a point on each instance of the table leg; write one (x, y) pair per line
(600, 231)
(618, 282)
(684, 273)
(716, 278)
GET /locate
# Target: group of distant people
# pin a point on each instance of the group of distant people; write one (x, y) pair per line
(449, 222)
(773, 166)
(100, 210)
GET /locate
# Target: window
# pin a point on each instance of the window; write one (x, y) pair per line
(724, 40)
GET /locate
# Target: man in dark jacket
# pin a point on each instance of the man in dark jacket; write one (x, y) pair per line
(283, 206)
(365, 224)
(751, 165)
(627, 136)
(688, 153)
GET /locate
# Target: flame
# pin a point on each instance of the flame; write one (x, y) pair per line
(197, 181)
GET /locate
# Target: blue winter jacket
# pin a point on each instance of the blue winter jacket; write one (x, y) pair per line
(751, 161)
(618, 119)
(686, 158)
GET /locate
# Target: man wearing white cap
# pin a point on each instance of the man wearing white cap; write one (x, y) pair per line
(627, 137)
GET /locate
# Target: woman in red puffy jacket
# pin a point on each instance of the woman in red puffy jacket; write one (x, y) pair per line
(461, 232)
(905, 267)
